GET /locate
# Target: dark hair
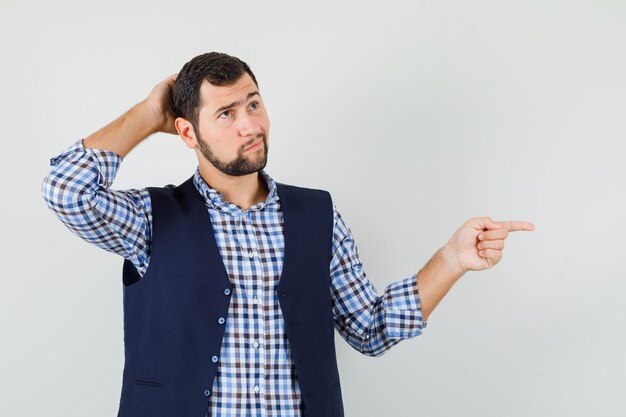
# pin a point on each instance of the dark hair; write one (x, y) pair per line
(217, 68)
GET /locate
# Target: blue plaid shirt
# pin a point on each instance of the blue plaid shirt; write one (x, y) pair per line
(255, 376)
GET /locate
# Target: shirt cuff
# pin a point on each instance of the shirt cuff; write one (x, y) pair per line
(403, 309)
(107, 162)
(72, 149)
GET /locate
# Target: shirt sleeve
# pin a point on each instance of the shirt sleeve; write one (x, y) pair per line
(77, 191)
(369, 323)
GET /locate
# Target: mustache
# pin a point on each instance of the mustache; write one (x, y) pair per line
(259, 135)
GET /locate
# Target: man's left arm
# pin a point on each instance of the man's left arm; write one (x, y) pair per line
(373, 324)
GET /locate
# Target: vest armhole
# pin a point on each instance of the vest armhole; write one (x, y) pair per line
(158, 201)
(130, 273)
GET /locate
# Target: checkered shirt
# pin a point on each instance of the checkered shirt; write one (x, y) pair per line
(255, 376)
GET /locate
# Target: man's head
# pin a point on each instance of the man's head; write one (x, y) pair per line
(220, 113)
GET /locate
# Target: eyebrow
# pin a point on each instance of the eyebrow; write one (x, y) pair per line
(236, 103)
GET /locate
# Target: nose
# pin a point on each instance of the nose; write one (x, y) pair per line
(249, 127)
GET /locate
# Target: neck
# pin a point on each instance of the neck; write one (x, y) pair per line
(243, 191)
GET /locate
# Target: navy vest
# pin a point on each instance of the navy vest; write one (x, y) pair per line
(171, 328)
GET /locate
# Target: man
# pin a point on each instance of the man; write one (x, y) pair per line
(234, 283)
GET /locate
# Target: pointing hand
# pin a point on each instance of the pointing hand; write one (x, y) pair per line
(478, 243)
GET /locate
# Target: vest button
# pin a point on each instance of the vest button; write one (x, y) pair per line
(214, 359)
(284, 295)
(207, 392)
(227, 291)
(221, 320)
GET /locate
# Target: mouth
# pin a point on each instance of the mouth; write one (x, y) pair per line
(255, 145)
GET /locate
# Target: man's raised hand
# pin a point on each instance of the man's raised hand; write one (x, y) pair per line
(158, 101)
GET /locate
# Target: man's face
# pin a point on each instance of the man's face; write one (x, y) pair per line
(231, 120)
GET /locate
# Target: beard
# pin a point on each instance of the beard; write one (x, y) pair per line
(243, 164)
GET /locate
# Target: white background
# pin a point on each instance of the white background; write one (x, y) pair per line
(416, 116)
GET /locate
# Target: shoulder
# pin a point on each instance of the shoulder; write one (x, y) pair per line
(181, 196)
(299, 191)
(172, 190)
(167, 192)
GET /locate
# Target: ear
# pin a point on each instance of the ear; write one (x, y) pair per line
(186, 132)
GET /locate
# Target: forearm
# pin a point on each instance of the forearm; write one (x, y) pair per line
(435, 279)
(125, 132)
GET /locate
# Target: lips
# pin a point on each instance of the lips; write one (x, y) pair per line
(255, 144)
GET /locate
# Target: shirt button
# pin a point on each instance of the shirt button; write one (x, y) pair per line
(250, 254)
(207, 392)
(227, 291)
(256, 344)
(214, 359)
(256, 388)
(255, 300)
(221, 320)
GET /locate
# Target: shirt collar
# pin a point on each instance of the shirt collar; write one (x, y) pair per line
(215, 199)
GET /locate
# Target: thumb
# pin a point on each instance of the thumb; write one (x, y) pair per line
(486, 223)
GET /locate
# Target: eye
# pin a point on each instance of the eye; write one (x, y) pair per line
(227, 113)
(256, 104)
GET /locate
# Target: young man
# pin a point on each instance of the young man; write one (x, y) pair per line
(234, 283)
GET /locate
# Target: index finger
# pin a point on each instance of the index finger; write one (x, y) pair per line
(514, 226)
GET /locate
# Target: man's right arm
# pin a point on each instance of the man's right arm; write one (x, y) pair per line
(149, 116)
(77, 189)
